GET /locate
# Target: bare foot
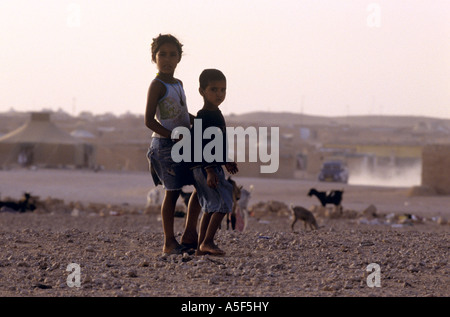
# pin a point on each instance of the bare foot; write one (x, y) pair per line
(189, 243)
(198, 252)
(211, 249)
(173, 249)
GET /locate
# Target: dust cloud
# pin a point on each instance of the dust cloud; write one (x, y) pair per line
(391, 176)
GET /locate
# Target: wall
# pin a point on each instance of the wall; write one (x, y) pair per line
(436, 168)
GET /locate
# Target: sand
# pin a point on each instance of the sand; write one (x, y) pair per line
(119, 247)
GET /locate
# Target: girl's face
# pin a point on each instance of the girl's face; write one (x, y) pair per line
(214, 94)
(167, 58)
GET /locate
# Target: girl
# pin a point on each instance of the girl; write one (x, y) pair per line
(166, 109)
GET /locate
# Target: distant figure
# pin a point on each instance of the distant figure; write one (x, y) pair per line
(22, 159)
(25, 157)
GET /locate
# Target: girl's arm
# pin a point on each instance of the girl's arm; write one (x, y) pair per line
(155, 92)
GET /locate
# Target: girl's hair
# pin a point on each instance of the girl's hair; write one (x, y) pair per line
(163, 39)
(209, 75)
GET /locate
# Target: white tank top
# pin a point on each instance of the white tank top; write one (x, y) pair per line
(171, 111)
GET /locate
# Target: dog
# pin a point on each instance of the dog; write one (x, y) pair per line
(305, 215)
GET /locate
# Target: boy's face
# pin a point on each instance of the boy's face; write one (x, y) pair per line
(167, 58)
(215, 92)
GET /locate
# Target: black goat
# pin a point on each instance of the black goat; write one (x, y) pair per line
(185, 197)
(236, 194)
(333, 197)
(22, 205)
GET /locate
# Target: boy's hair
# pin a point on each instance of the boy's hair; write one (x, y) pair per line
(209, 75)
(163, 39)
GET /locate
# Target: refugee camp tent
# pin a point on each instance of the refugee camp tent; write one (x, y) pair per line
(41, 143)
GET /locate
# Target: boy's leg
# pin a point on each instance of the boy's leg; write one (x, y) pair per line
(190, 236)
(207, 244)
(204, 223)
(167, 211)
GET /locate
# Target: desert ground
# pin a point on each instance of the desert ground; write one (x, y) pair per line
(100, 222)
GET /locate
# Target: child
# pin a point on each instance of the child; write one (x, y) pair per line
(166, 109)
(214, 191)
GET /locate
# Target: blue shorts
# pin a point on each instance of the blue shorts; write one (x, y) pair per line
(219, 199)
(173, 176)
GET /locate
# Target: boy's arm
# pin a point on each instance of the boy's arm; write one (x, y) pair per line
(232, 167)
(211, 177)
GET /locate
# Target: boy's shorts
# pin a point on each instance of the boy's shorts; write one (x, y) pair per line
(173, 176)
(219, 199)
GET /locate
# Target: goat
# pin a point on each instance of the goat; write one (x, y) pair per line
(305, 215)
(153, 197)
(231, 217)
(333, 197)
(185, 197)
(22, 205)
(245, 198)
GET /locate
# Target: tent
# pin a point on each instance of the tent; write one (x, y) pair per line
(40, 142)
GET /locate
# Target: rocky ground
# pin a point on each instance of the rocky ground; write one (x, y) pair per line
(119, 253)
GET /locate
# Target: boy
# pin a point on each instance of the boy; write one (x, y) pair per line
(214, 191)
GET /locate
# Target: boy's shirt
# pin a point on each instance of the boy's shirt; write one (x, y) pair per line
(210, 118)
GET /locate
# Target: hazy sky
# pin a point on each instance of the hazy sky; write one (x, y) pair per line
(321, 57)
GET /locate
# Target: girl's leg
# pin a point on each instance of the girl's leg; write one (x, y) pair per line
(190, 236)
(167, 211)
(207, 244)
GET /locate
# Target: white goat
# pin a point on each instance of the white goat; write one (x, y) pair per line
(153, 197)
(245, 198)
